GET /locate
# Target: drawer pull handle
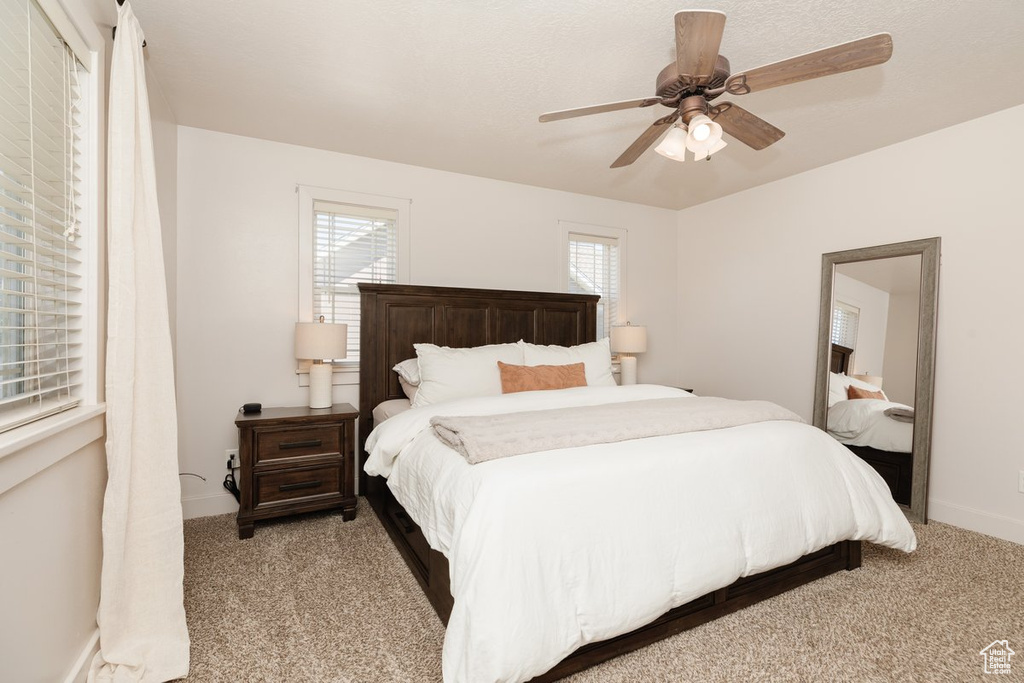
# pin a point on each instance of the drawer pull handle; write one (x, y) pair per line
(312, 443)
(404, 521)
(300, 485)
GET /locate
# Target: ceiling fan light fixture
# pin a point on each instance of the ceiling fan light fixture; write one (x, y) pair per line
(701, 131)
(705, 154)
(704, 134)
(674, 145)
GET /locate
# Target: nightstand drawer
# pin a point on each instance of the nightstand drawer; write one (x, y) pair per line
(277, 486)
(281, 444)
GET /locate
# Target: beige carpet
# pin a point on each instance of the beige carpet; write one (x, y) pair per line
(316, 599)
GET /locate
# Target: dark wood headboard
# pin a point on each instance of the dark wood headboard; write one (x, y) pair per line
(394, 317)
(840, 359)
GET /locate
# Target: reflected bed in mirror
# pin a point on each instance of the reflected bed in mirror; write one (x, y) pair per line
(876, 357)
(867, 420)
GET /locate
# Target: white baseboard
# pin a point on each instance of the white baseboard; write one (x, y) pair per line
(1006, 528)
(80, 670)
(207, 506)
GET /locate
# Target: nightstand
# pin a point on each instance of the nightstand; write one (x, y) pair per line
(295, 460)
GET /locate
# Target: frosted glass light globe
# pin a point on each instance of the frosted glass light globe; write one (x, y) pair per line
(674, 144)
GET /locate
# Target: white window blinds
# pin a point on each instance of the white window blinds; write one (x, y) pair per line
(41, 147)
(845, 320)
(594, 269)
(351, 244)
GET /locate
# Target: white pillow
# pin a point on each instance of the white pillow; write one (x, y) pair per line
(447, 374)
(837, 384)
(595, 356)
(409, 370)
(408, 389)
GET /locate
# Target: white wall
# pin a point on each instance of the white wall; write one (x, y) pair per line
(901, 347)
(50, 526)
(869, 354)
(238, 270)
(165, 154)
(748, 295)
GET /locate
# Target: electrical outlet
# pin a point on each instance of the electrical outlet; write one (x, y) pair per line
(231, 458)
(1020, 481)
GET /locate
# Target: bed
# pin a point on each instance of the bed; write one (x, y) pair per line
(863, 427)
(394, 317)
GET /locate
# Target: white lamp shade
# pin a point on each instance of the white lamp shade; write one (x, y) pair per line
(700, 129)
(320, 341)
(701, 155)
(704, 137)
(870, 379)
(674, 144)
(629, 339)
(703, 133)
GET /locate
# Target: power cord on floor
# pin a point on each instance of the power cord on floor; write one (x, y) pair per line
(232, 486)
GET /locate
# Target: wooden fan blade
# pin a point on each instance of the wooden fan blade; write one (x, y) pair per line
(698, 38)
(749, 129)
(645, 140)
(856, 54)
(599, 109)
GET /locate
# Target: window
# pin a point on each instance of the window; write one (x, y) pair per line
(593, 266)
(351, 244)
(345, 239)
(42, 170)
(845, 319)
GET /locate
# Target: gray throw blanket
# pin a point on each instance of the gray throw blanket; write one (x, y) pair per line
(900, 414)
(488, 437)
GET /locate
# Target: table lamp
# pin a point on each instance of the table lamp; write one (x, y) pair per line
(321, 342)
(870, 379)
(626, 340)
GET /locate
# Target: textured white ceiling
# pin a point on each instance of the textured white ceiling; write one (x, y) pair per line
(458, 84)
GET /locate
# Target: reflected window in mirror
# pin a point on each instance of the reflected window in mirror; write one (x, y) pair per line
(844, 324)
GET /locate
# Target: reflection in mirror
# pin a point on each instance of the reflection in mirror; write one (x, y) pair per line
(875, 360)
(875, 307)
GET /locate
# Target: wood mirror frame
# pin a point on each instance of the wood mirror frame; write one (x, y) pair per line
(929, 250)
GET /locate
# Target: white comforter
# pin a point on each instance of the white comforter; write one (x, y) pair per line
(863, 422)
(552, 550)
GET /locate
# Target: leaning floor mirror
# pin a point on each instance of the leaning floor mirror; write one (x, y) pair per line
(876, 360)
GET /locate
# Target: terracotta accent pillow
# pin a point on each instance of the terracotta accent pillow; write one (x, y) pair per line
(516, 378)
(853, 392)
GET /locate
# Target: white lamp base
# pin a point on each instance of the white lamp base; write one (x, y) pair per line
(627, 369)
(321, 385)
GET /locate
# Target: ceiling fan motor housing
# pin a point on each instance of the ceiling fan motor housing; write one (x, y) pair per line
(672, 88)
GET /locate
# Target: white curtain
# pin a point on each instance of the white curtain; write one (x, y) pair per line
(143, 636)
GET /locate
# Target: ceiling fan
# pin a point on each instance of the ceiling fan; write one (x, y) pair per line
(700, 75)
